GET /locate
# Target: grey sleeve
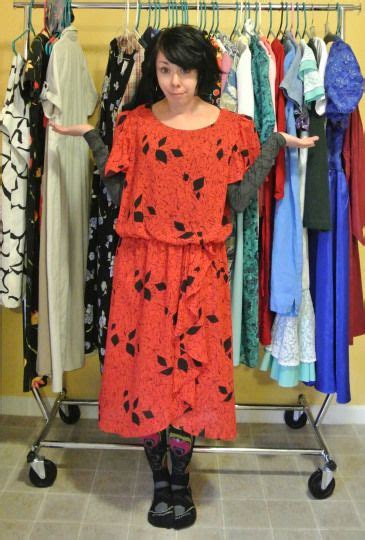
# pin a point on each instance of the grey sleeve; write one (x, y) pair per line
(241, 193)
(114, 182)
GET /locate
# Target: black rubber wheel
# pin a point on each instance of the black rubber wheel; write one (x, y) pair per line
(51, 474)
(315, 486)
(295, 423)
(72, 416)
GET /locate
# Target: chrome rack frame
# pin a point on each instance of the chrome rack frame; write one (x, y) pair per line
(43, 472)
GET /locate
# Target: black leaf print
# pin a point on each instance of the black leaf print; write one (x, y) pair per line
(197, 195)
(126, 406)
(121, 119)
(151, 210)
(161, 156)
(166, 310)
(113, 326)
(212, 318)
(179, 226)
(144, 138)
(188, 410)
(198, 183)
(182, 364)
(135, 403)
(146, 148)
(167, 371)
(214, 265)
(135, 418)
(132, 334)
(147, 294)
(227, 344)
(193, 330)
(229, 397)
(147, 277)
(220, 154)
(115, 339)
(161, 360)
(197, 269)
(174, 319)
(137, 202)
(186, 235)
(200, 311)
(177, 152)
(219, 142)
(125, 394)
(185, 177)
(197, 363)
(187, 283)
(138, 216)
(234, 148)
(199, 233)
(148, 414)
(161, 286)
(136, 272)
(139, 285)
(161, 142)
(222, 389)
(130, 349)
(244, 152)
(225, 220)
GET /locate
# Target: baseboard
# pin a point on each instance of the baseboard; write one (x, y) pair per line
(337, 414)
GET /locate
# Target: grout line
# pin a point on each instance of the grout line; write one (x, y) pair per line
(221, 501)
(82, 520)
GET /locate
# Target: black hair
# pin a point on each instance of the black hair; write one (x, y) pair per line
(187, 47)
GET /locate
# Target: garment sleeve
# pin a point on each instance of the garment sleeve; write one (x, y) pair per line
(241, 193)
(51, 91)
(119, 158)
(113, 182)
(245, 148)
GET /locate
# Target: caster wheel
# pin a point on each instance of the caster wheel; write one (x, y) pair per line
(51, 473)
(72, 416)
(315, 486)
(293, 422)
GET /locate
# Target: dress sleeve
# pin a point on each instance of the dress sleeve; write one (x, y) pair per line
(119, 157)
(244, 150)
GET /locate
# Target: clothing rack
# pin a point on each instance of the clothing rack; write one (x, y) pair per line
(43, 472)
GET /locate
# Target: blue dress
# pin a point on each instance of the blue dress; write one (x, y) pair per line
(329, 251)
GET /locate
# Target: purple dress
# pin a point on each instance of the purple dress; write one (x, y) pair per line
(329, 251)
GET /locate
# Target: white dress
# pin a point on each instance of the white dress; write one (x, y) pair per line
(69, 97)
(15, 159)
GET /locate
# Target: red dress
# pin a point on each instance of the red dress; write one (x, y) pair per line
(169, 349)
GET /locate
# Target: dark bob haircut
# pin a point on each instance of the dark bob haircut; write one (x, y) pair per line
(187, 47)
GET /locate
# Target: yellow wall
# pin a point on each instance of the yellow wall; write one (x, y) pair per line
(96, 29)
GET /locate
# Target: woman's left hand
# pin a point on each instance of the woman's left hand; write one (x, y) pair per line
(296, 142)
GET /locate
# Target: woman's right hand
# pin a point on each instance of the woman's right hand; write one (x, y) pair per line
(78, 130)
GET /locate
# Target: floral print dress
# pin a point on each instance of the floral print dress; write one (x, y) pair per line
(169, 348)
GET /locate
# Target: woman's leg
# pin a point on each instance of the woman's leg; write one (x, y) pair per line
(181, 450)
(161, 513)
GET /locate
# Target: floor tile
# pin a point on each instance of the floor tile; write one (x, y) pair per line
(335, 514)
(284, 486)
(204, 462)
(249, 514)
(150, 533)
(346, 445)
(360, 507)
(205, 485)
(13, 453)
(5, 474)
(209, 512)
(296, 534)
(343, 534)
(62, 530)
(241, 485)
(119, 460)
(99, 531)
(23, 421)
(19, 481)
(73, 481)
(351, 465)
(62, 506)
(234, 462)
(249, 534)
(285, 515)
(15, 530)
(84, 459)
(277, 463)
(114, 483)
(20, 506)
(355, 485)
(338, 430)
(200, 533)
(108, 509)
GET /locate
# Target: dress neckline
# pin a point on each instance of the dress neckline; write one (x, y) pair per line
(179, 130)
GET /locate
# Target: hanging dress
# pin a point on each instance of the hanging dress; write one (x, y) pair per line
(15, 158)
(330, 250)
(169, 346)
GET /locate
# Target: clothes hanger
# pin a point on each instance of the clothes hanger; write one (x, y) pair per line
(137, 19)
(297, 33)
(26, 32)
(312, 28)
(281, 20)
(270, 32)
(305, 31)
(234, 30)
(329, 36)
(213, 18)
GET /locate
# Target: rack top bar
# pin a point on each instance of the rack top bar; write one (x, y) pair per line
(192, 6)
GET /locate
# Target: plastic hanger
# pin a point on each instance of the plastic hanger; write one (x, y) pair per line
(213, 18)
(234, 30)
(270, 32)
(312, 28)
(281, 20)
(26, 32)
(297, 33)
(305, 31)
(329, 36)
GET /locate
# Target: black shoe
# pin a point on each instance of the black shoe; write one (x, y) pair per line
(184, 507)
(161, 513)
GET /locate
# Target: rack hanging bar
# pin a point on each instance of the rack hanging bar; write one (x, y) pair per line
(193, 6)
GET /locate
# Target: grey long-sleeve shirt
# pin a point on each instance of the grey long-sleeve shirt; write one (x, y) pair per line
(239, 194)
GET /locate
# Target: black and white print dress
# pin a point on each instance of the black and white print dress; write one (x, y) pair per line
(15, 159)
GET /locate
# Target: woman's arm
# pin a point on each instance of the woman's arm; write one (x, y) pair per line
(241, 193)
(113, 183)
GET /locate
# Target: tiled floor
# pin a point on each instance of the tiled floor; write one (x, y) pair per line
(105, 494)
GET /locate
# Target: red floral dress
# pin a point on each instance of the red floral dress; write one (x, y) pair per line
(169, 350)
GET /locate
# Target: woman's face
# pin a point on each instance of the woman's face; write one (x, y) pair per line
(177, 84)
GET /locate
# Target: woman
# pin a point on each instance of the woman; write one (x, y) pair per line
(175, 161)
